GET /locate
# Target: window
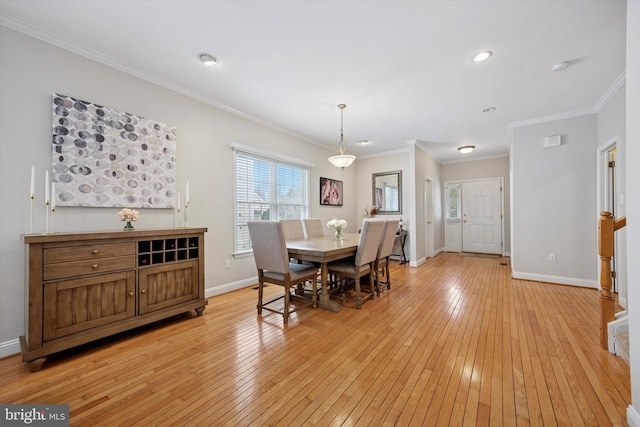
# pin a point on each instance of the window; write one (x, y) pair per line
(453, 207)
(267, 188)
(391, 201)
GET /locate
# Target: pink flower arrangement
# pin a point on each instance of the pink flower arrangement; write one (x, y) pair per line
(370, 210)
(127, 214)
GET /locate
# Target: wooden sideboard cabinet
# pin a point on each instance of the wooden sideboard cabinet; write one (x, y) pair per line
(84, 286)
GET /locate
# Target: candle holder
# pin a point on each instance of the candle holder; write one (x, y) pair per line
(46, 216)
(31, 213)
(176, 218)
(53, 211)
(186, 215)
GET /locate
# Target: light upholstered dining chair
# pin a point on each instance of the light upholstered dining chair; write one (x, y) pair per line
(272, 261)
(363, 264)
(312, 227)
(384, 253)
(292, 229)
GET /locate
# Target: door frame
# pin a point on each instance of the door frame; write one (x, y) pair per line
(601, 194)
(428, 216)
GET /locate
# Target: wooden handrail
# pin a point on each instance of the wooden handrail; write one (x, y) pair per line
(606, 249)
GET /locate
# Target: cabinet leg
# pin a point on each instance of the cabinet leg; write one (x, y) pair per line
(199, 310)
(36, 365)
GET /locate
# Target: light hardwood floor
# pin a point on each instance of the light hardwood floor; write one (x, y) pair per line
(454, 342)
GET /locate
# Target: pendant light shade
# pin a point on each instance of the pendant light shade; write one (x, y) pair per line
(342, 160)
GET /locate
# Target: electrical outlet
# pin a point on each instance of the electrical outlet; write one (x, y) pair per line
(552, 258)
(227, 263)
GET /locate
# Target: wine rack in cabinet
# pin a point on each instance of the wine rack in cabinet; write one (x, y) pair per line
(86, 286)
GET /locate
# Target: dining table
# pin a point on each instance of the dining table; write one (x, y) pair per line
(322, 250)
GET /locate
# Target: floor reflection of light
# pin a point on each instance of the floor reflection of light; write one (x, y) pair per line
(455, 298)
(252, 339)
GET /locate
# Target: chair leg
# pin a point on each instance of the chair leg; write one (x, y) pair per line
(358, 298)
(287, 297)
(388, 277)
(372, 284)
(260, 291)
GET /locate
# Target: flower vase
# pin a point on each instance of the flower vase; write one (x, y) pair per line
(339, 234)
(128, 226)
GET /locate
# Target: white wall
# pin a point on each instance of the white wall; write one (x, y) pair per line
(426, 165)
(554, 202)
(633, 202)
(384, 162)
(31, 70)
(483, 169)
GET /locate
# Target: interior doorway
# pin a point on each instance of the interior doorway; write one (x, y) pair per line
(428, 216)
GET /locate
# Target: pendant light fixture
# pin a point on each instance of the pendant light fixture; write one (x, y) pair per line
(341, 160)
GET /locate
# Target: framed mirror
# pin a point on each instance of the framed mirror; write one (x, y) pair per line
(387, 192)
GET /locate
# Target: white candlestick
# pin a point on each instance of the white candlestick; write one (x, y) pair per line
(32, 193)
(53, 196)
(46, 187)
(178, 202)
(186, 198)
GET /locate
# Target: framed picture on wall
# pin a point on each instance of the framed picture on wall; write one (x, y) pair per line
(330, 192)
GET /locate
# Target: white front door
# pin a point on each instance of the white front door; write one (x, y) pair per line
(482, 216)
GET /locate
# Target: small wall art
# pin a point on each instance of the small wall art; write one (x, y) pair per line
(330, 192)
(106, 158)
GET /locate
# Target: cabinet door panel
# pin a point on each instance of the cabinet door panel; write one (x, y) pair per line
(73, 306)
(166, 285)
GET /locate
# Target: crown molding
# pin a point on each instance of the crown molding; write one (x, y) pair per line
(93, 55)
(383, 154)
(606, 97)
(421, 145)
(552, 118)
(474, 159)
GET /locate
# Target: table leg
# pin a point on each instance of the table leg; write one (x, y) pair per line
(325, 299)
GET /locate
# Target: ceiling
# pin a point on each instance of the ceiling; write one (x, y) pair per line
(403, 68)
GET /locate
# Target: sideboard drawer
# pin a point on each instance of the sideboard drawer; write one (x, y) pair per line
(91, 266)
(88, 252)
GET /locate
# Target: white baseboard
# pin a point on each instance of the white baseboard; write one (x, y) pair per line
(633, 417)
(561, 280)
(10, 347)
(229, 287)
(417, 263)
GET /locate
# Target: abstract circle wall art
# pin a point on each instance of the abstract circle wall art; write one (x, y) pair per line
(107, 158)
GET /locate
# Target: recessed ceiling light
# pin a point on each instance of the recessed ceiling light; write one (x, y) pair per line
(560, 66)
(489, 110)
(466, 149)
(482, 56)
(208, 59)
(363, 141)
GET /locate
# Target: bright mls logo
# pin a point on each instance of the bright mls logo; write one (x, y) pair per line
(37, 415)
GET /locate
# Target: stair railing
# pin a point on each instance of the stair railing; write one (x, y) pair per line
(607, 227)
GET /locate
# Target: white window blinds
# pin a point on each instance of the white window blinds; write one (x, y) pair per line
(267, 189)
